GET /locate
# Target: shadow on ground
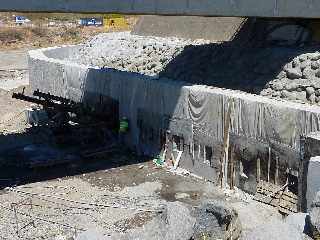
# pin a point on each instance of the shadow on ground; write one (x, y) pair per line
(35, 156)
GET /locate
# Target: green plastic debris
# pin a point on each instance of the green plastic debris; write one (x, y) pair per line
(159, 161)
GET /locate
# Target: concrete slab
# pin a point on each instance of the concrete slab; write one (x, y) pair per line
(245, 8)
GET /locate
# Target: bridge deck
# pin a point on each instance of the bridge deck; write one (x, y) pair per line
(244, 8)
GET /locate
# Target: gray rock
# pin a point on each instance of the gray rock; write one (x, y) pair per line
(293, 73)
(276, 94)
(285, 94)
(303, 57)
(305, 64)
(314, 56)
(282, 75)
(299, 89)
(288, 95)
(175, 222)
(289, 65)
(277, 86)
(315, 65)
(312, 98)
(310, 91)
(317, 74)
(214, 219)
(308, 73)
(291, 86)
(317, 92)
(296, 62)
(266, 92)
(302, 96)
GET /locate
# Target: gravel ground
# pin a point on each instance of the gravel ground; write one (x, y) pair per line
(12, 79)
(107, 213)
(13, 60)
(128, 202)
(107, 198)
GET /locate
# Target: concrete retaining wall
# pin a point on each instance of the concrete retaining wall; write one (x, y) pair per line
(196, 114)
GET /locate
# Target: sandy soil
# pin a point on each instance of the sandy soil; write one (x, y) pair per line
(13, 60)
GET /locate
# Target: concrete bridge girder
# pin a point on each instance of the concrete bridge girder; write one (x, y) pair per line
(237, 8)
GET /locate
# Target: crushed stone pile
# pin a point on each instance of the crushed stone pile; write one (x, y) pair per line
(298, 80)
(123, 51)
(290, 72)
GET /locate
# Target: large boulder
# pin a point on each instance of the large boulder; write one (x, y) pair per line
(216, 220)
(179, 221)
(175, 222)
(294, 73)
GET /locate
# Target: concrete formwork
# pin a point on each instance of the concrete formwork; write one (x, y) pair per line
(240, 8)
(259, 127)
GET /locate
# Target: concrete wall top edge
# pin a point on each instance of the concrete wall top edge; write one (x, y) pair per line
(40, 54)
(235, 8)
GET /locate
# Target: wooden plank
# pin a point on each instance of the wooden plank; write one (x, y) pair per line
(269, 163)
(276, 176)
(271, 194)
(258, 170)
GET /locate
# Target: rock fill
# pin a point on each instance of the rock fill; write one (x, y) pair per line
(284, 72)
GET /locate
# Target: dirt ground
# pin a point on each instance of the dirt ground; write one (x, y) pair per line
(110, 194)
(127, 192)
(13, 60)
(13, 77)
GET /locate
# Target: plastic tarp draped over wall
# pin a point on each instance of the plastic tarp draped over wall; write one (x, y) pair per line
(200, 109)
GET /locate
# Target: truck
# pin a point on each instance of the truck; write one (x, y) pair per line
(96, 22)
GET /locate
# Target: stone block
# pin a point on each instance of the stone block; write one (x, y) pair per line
(313, 180)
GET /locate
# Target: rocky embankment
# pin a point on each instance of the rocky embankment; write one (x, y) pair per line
(298, 80)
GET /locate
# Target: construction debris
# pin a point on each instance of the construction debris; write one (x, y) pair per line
(281, 198)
